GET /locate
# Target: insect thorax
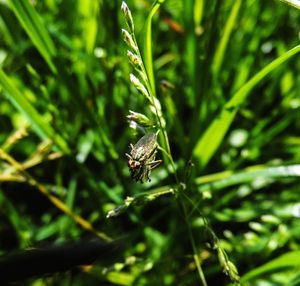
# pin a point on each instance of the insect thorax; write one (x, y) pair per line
(139, 154)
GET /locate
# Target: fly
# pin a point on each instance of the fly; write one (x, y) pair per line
(141, 159)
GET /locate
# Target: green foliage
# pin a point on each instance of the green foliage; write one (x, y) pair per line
(285, 261)
(44, 129)
(35, 29)
(217, 81)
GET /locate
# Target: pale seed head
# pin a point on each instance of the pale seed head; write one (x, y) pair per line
(139, 86)
(128, 16)
(129, 40)
(134, 59)
(139, 118)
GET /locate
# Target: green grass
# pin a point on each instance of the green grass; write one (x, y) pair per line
(218, 81)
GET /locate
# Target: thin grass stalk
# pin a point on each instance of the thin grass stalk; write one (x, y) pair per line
(192, 240)
(228, 267)
(221, 49)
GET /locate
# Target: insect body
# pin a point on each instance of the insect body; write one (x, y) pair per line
(141, 159)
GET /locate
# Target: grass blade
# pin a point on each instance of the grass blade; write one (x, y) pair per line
(198, 12)
(43, 128)
(35, 29)
(293, 3)
(89, 11)
(148, 43)
(221, 180)
(227, 178)
(201, 89)
(221, 49)
(213, 136)
(283, 262)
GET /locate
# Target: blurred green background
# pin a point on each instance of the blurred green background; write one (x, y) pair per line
(233, 128)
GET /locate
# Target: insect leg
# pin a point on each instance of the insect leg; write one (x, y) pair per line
(138, 175)
(152, 165)
(147, 174)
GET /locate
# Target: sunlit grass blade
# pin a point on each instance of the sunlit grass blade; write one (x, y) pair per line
(200, 73)
(42, 127)
(33, 25)
(213, 136)
(290, 260)
(147, 43)
(119, 277)
(16, 136)
(228, 178)
(198, 12)
(89, 11)
(293, 3)
(221, 49)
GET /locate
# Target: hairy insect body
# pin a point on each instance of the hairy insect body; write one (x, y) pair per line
(141, 159)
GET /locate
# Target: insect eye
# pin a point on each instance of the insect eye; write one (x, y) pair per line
(137, 164)
(133, 164)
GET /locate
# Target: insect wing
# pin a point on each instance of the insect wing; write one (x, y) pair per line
(144, 147)
(147, 140)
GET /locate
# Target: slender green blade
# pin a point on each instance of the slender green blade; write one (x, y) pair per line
(88, 11)
(148, 43)
(221, 49)
(35, 29)
(43, 128)
(283, 262)
(227, 178)
(293, 3)
(213, 136)
(198, 12)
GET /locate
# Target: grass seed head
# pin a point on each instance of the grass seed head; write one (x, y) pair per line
(139, 119)
(139, 86)
(134, 59)
(128, 16)
(129, 40)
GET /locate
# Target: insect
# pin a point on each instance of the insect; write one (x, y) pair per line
(141, 159)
